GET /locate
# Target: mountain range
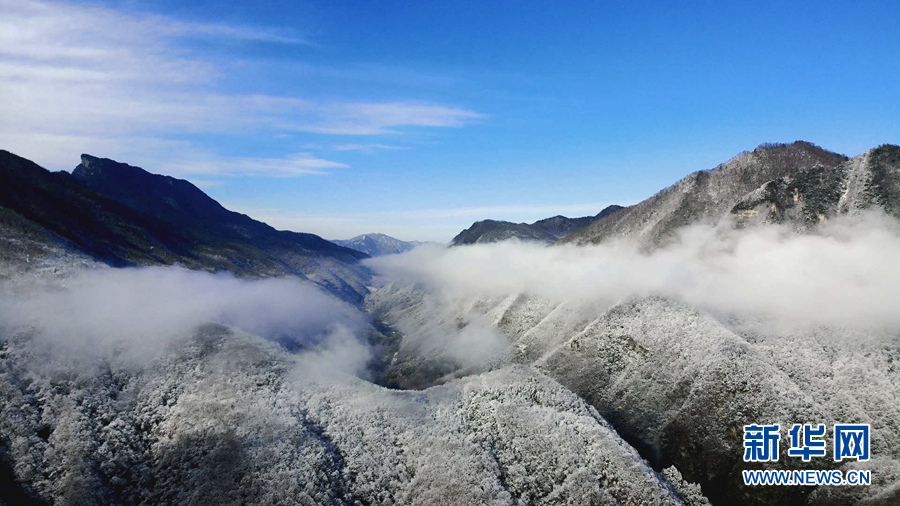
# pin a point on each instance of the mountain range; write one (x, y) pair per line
(548, 230)
(376, 244)
(480, 387)
(799, 183)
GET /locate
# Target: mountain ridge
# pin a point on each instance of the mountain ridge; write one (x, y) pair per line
(547, 230)
(804, 182)
(124, 216)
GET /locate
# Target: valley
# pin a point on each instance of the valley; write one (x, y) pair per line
(158, 348)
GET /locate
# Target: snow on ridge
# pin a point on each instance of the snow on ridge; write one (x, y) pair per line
(189, 429)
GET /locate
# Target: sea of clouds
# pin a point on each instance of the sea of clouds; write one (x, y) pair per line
(845, 273)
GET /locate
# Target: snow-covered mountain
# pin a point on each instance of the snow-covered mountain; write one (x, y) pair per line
(799, 183)
(219, 416)
(676, 382)
(680, 336)
(620, 372)
(376, 244)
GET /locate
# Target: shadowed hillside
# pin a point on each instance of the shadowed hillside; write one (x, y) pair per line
(125, 216)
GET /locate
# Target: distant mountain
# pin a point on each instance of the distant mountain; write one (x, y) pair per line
(123, 215)
(798, 183)
(376, 244)
(548, 230)
(493, 231)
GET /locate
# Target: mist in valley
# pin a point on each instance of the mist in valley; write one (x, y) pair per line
(134, 314)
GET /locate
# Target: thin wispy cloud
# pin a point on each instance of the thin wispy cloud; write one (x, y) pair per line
(72, 71)
(294, 165)
(368, 148)
(235, 33)
(387, 118)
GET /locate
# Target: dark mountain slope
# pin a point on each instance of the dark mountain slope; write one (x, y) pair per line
(560, 226)
(26, 246)
(123, 215)
(547, 230)
(163, 197)
(493, 231)
(708, 196)
(177, 201)
(91, 222)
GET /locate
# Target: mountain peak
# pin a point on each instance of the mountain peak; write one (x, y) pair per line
(377, 244)
(800, 183)
(87, 160)
(373, 235)
(124, 215)
(154, 194)
(127, 182)
(793, 153)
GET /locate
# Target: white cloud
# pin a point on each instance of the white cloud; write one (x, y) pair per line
(368, 148)
(384, 118)
(140, 312)
(294, 165)
(60, 151)
(845, 274)
(70, 71)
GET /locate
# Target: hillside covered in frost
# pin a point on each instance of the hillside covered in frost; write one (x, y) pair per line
(799, 183)
(759, 292)
(680, 348)
(617, 366)
(173, 410)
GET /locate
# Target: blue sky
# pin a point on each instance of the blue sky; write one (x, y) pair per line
(418, 118)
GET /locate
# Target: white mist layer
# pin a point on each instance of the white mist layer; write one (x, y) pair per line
(135, 314)
(846, 273)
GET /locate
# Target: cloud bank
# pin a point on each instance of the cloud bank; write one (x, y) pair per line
(844, 274)
(135, 314)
